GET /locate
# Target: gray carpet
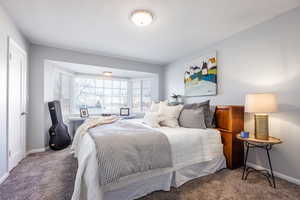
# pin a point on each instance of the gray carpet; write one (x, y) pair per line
(50, 176)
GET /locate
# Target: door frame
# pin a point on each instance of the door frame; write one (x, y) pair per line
(10, 42)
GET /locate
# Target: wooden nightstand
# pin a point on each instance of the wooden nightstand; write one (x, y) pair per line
(230, 122)
(263, 144)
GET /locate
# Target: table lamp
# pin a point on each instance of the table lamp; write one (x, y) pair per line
(261, 105)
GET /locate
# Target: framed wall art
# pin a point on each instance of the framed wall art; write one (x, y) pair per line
(200, 76)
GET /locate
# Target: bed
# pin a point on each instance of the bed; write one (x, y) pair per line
(195, 153)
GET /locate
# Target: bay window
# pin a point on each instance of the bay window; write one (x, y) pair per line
(100, 95)
(108, 95)
(141, 95)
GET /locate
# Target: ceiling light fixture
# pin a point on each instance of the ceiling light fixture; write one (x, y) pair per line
(142, 17)
(107, 73)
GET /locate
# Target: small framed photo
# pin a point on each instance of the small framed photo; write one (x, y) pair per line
(84, 113)
(124, 112)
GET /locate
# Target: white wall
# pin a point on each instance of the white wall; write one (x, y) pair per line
(265, 58)
(38, 137)
(7, 29)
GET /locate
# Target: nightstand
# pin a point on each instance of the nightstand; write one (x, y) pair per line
(267, 146)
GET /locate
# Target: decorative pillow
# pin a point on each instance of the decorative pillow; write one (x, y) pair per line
(190, 118)
(155, 106)
(212, 121)
(152, 119)
(206, 110)
(170, 115)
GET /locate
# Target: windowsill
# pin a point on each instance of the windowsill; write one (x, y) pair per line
(77, 116)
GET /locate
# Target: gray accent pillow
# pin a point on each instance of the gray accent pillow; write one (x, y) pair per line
(190, 118)
(206, 110)
(212, 121)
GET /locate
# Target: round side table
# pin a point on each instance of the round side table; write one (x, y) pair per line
(263, 144)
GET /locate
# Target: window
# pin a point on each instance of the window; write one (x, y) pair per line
(100, 95)
(109, 95)
(61, 90)
(141, 95)
(136, 96)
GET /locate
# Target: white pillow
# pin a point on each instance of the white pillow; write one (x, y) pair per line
(152, 119)
(170, 115)
(155, 106)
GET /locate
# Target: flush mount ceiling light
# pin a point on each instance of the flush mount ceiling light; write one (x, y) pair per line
(107, 73)
(141, 17)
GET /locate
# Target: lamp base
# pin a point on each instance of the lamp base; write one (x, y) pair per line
(261, 126)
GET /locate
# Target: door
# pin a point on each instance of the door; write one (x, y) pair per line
(17, 98)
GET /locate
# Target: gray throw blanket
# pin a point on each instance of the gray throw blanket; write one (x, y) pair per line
(125, 148)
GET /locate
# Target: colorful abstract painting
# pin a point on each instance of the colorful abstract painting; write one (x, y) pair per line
(200, 76)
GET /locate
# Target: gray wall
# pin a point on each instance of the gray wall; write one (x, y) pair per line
(265, 58)
(38, 137)
(7, 29)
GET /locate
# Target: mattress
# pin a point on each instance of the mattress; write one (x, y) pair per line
(189, 147)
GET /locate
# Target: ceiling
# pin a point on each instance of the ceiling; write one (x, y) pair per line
(103, 27)
(98, 71)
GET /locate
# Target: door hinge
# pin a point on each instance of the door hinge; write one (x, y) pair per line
(10, 56)
(9, 153)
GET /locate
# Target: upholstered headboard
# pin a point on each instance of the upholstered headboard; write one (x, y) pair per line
(230, 122)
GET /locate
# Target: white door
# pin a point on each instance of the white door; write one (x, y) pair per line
(17, 98)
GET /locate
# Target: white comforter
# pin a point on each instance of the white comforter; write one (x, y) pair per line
(189, 146)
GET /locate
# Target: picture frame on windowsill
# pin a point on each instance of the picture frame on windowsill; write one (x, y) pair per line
(84, 113)
(124, 111)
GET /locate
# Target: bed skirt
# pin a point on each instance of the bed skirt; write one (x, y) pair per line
(141, 186)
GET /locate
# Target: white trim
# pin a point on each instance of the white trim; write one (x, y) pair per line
(4, 177)
(277, 174)
(13, 42)
(101, 77)
(36, 150)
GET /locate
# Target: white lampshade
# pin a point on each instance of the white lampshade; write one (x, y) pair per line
(260, 103)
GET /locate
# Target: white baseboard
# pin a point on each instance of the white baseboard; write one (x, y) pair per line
(37, 150)
(277, 174)
(4, 177)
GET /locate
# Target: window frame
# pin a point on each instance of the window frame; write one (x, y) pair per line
(141, 87)
(103, 78)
